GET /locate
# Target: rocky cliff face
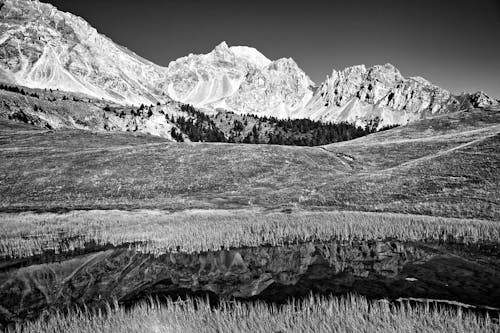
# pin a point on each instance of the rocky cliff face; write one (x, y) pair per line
(481, 100)
(241, 80)
(359, 95)
(41, 47)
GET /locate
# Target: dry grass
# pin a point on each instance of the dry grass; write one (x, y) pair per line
(447, 166)
(72, 170)
(456, 180)
(348, 314)
(28, 234)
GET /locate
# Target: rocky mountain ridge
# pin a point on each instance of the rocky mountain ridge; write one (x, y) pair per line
(41, 47)
(357, 94)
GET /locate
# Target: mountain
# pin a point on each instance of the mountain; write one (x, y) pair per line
(358, 94)
(239, 79)
(481, 100)
(41, 47)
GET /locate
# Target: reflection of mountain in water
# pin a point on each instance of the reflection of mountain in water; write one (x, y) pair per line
(375, 269)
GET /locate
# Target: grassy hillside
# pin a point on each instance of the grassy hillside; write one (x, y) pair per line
(447, 166)
(443, 166)
(71, 169)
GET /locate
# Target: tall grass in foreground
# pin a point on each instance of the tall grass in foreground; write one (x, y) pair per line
(156, 232)
(316, 314)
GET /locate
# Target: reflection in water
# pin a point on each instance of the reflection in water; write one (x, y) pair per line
(377, 269)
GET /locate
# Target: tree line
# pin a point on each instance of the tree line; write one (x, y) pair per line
(200, 127)
(17, 90)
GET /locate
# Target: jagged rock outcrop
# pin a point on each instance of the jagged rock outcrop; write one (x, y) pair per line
(360, 95)
(481, 100)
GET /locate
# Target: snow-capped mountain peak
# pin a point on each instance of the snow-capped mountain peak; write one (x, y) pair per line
(251, 55)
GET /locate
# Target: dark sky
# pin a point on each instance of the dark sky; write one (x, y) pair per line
(455, 44)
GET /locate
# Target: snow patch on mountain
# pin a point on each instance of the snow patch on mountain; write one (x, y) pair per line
(251, 55)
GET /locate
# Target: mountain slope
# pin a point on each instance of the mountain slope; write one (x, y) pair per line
(56, 110)
(41, 47)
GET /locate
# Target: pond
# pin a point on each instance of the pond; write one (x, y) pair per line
(384, 269)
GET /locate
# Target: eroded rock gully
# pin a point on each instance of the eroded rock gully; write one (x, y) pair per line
(378, 269)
